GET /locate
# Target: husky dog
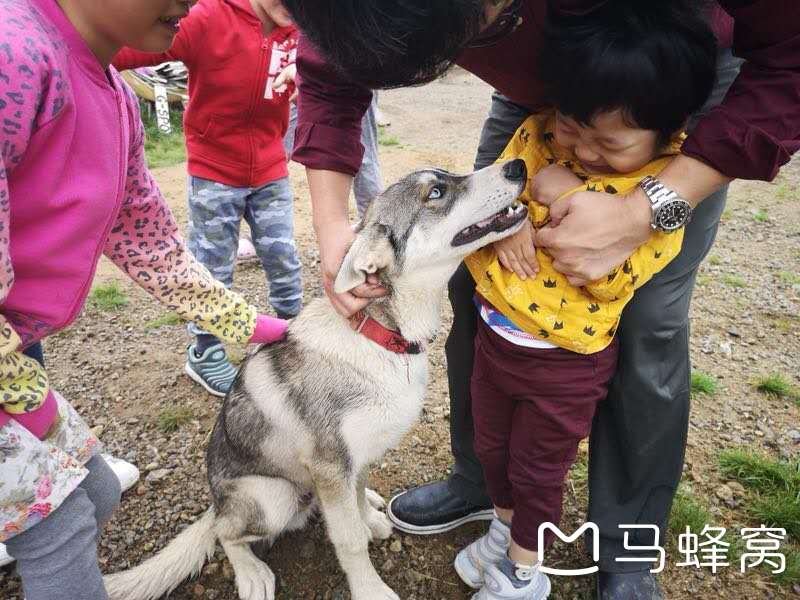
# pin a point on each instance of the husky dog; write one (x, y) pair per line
(307, 416)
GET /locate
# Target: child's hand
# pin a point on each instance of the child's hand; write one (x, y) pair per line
(517, 252)
(284, 79)
(551, 182)
(268, 330)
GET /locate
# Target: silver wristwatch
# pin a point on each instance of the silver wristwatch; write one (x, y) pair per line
(670, 211)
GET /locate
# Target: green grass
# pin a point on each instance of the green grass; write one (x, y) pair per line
(687, 511)
(761, 215)
(777, 386)
(714, 260)
(788, 277)
(734, 281)
(726, 215)
(784, 191)
(773, 500)
(163, 150)
(704, 279)
(776, 487)
(108, 296)
(703, 384)
(171, 419)
(384, 139)
(791, 576)
(169, 318)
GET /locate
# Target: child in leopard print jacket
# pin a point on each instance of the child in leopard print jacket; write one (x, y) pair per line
(74, 185)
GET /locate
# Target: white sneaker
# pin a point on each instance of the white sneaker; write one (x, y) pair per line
(499, 587)
(246, 251)
(127, 473)
(487, 550)
(5, 559)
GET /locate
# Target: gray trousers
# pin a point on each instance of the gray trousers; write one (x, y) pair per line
(57, 558)
(638, 437)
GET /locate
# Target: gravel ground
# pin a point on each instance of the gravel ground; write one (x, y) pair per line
(121, 372)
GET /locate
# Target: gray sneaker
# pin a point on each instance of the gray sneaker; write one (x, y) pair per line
(212, 369)
(497, 586)
(487, 550)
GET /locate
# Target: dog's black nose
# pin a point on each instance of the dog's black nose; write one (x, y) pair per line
(515, 170)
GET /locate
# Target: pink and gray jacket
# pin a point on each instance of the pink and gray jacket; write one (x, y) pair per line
(74, 185)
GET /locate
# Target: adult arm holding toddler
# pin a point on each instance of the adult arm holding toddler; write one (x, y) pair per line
(593, 232)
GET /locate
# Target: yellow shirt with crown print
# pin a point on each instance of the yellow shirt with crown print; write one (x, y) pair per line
(581, 319)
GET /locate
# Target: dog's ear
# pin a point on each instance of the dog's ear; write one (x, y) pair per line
(370, 253)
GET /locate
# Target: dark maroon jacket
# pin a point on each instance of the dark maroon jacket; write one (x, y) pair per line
(750, 135)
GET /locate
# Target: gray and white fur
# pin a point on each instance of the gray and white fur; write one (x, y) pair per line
(307, 416)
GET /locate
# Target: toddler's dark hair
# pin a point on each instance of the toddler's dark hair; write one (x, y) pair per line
(654, 60)
(388, 43)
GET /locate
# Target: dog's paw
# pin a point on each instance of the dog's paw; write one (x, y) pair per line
(375, 499)
(255, 581)
(377, 591)
(380, 527)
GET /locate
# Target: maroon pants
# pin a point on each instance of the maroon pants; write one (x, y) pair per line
(531, 408)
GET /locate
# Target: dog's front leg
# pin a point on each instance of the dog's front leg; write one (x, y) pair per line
(338, 499)
(380, 527)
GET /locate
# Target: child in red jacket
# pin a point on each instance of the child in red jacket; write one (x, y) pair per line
(234, 126)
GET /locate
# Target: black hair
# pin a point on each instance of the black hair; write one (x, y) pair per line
(384, 44)
(656, 61)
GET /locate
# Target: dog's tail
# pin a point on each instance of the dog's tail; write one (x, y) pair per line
(160, 574)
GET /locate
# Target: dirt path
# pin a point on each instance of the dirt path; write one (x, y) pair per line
(121, 372)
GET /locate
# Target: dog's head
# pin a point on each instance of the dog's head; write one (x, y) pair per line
(424, 225)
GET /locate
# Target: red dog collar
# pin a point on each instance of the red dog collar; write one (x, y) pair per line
(388, 338)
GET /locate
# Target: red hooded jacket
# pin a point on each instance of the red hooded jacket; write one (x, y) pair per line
(234, 122)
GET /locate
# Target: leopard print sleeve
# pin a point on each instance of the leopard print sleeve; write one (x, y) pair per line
(146, 244)
(27, 98)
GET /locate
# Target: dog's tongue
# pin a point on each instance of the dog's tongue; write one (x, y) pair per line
(499, 221)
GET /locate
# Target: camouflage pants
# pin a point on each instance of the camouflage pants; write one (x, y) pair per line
(215, 214)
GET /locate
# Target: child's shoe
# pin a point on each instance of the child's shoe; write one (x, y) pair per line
(126, 472)
(488, 550)
(246, 252)
(508, 581)
(211, 369)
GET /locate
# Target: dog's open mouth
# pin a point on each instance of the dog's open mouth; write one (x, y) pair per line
(500, 221)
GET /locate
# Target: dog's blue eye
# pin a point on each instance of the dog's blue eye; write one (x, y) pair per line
(436, 192)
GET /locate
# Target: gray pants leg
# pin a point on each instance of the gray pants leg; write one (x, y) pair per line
(638, 438)
(467, 478)
(57, 558)
(367, 183)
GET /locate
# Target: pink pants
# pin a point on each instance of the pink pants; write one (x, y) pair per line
(531, 408)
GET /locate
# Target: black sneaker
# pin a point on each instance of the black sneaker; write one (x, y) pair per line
(640, 585)
(433, 508)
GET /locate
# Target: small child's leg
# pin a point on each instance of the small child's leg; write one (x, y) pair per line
(215, 213)
(57, 558)
(270, 214)
(103, 489)
(493, 411)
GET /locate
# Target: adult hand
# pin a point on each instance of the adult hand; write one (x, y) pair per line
(517, 253)
(335, 239)
(286, 78)
(591, 233)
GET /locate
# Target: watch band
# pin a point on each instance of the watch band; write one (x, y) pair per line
(656, 191)
(661, 197)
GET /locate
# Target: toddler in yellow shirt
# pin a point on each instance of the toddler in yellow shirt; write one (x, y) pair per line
(623, 81)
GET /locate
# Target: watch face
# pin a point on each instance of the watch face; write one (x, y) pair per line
(673, 215)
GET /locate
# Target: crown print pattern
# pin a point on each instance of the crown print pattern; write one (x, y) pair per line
(547, 306)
